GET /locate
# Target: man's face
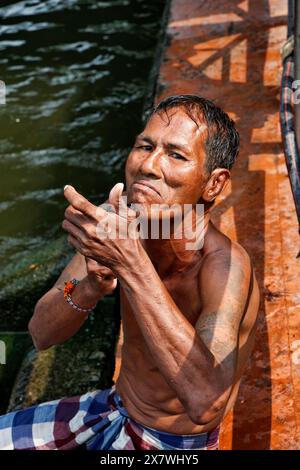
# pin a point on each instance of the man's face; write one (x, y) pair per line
(166, 164)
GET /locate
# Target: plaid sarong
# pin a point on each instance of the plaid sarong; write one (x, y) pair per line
(94, 421)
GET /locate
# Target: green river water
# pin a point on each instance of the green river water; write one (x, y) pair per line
(75, 74)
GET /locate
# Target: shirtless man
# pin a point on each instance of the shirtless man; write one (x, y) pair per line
(189, 316)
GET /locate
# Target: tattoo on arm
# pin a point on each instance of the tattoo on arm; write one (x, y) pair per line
(220, 337)
(219, 329)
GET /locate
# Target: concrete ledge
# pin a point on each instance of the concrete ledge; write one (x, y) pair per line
(85, 362)
(23, 283)
(15, 346)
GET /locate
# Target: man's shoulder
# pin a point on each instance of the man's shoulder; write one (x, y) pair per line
(225, 256)
(225, 251)
(225, 280)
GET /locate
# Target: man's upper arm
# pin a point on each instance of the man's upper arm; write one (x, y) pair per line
(75, 268)
(225, 281)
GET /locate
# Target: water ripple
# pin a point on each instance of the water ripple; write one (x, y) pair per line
(6, 44)
(25, 26)
(75, 74)
(35, 7)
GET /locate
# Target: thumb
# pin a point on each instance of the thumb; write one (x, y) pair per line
(117, 199)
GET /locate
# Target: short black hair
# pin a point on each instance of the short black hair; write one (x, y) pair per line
(222, 143)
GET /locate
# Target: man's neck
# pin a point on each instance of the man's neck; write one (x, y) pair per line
(171, 255)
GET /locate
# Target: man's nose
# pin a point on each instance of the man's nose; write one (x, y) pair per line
(151, 165)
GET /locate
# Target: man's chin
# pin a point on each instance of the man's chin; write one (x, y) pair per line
(152, 208)
(141, 199)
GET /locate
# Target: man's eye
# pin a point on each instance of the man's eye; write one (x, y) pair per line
(177, 156)
(148, 148)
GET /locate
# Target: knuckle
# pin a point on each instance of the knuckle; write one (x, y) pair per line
(88, 229)
(88, 244)
(85, 251)
(82, 205)
(68, 211)
(101, 211)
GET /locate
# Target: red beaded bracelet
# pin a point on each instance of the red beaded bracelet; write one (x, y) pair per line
(68, 289)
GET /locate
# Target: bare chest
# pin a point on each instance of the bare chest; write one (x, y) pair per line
(184, 292)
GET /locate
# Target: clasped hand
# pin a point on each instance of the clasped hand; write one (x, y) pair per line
(99, 234)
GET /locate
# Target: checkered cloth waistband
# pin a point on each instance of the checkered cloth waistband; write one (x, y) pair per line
(93, 421)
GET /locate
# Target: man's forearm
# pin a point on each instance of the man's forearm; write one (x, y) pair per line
(183, 359)
(54, 320)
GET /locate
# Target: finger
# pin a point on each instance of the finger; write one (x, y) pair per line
(76, 217)
(113, 285)
(110, 286)
(108, 275)
(75, 243)
(92, 264)
(103, 211)
(79, 202)
(105, 271)
(75, 231)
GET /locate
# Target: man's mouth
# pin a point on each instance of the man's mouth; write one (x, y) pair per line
(145, 186)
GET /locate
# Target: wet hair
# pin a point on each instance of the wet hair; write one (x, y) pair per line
(222, 142)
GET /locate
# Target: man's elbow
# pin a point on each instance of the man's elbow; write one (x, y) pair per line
(39, 343)
(205, 408)
(202, 419)
(204, 414)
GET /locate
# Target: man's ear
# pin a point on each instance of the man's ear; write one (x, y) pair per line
(215, 185)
